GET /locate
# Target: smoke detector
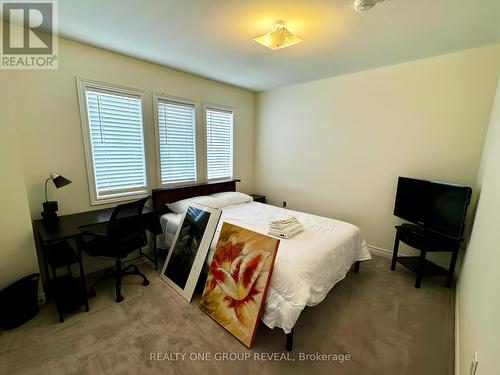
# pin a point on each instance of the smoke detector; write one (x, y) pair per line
(364, 5)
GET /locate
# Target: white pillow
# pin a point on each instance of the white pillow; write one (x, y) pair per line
(230, 198)
(181, 206)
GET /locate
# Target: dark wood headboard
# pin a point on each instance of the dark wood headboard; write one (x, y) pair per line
(173, 194)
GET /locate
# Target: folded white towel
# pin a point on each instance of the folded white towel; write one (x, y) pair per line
(286, 235)
(285, 220)
(285, 228)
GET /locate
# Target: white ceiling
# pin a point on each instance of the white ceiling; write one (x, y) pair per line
(213, 38)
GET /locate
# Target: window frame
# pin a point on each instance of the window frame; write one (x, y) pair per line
(157, 97)
(208, 105)
(82, 86)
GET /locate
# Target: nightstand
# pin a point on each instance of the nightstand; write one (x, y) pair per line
(258, 198)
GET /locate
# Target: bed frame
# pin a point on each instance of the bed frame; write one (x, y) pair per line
(163, 196)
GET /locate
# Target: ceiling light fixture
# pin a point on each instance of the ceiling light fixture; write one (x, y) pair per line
(363, 5)
(278, 37)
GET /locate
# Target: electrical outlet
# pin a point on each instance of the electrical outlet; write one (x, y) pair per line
(41, 299)
(474, 363)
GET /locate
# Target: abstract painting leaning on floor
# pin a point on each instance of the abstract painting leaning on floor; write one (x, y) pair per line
(238, 279)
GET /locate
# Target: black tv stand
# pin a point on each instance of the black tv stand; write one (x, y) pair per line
(426, 241)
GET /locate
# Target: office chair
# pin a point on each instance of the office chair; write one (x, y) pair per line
(125, 233)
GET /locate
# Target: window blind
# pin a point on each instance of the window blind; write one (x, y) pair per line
(117, 142)
(176, 127)
(219, 129)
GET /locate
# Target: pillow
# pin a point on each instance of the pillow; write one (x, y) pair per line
(230, 198)
(181, 206)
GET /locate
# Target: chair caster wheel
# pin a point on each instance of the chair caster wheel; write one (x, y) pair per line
(145, 283)
(119, 299)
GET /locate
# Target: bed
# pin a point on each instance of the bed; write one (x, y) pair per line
(307, 266)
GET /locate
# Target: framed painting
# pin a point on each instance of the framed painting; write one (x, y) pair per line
(189, 249)
(238, 279)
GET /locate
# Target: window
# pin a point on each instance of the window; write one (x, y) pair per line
(176, 140)
(219, 146)
(114, 141)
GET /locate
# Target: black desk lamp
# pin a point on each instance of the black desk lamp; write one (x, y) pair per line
(50, 208)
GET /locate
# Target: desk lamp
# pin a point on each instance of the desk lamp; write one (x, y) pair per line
(49, 213)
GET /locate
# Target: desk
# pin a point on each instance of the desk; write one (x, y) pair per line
(70, 226)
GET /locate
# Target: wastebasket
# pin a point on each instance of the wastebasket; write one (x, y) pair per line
(19, 302)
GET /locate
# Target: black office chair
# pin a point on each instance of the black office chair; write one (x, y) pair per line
(125, 234)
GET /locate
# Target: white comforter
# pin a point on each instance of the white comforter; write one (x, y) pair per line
(307, 266)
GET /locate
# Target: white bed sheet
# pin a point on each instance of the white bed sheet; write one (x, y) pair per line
(307, 266)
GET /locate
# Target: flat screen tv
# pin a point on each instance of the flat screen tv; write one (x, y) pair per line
(437, 206)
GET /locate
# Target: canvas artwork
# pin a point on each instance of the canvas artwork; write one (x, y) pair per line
(238, 279)
(189, 249)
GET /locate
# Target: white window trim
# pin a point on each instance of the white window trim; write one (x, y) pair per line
(82, 85)
(157, 97)
(207, 105)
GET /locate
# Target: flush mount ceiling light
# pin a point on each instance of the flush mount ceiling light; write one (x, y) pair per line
(363, 5)
(278, 37)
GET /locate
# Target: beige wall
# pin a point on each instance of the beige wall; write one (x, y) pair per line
(335, 147)
(48, 118)
(45, 112)
(478, 286)
(17, 251)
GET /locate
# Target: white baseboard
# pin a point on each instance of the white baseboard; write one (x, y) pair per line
(388, 253)
(380, 251)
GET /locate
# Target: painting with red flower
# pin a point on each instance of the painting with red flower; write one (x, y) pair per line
(236, 287)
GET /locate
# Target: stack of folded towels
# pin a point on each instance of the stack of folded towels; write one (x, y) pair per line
(285, 227)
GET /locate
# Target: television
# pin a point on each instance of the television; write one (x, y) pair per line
(437, 206)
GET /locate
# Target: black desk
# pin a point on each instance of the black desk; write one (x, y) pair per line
(70, 226)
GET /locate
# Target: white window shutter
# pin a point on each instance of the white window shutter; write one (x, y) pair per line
(177, 141)
(219, 137)
(117, 142)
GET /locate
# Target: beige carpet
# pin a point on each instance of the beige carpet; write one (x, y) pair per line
(378, 317)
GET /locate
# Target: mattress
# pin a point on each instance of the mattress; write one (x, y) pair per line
(307, 266)
(169, 224)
